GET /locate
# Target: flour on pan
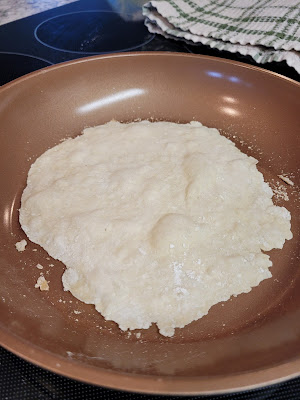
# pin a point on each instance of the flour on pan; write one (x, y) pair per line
(155, 222)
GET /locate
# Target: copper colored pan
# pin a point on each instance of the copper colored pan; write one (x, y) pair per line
(250, 340)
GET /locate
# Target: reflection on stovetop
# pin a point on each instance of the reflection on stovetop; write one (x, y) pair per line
(24, 381)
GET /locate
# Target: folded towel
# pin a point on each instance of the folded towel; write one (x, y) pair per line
(264, 29)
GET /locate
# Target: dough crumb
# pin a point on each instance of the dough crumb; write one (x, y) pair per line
(39, 266)
(77, 312)
(280, 191)
(286, 180)
(42, 284)
(20, 246)
(138, 335)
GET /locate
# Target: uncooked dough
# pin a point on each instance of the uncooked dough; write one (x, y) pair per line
(20, 246)
(155, 222)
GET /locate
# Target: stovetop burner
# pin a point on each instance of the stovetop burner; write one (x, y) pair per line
(14, 65)
(93, 32)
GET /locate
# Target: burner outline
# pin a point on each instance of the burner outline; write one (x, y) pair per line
(27, 55)
(85, 52)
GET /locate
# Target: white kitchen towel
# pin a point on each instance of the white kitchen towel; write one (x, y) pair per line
(264, 29)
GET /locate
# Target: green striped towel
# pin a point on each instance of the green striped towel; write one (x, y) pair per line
(264, 29)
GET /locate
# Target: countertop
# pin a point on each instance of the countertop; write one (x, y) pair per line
(11, 10)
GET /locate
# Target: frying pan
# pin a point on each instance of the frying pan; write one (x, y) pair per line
(248, 341)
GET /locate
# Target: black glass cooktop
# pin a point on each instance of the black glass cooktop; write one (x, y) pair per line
(77, 30)
(13, 65)
(89, 27)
